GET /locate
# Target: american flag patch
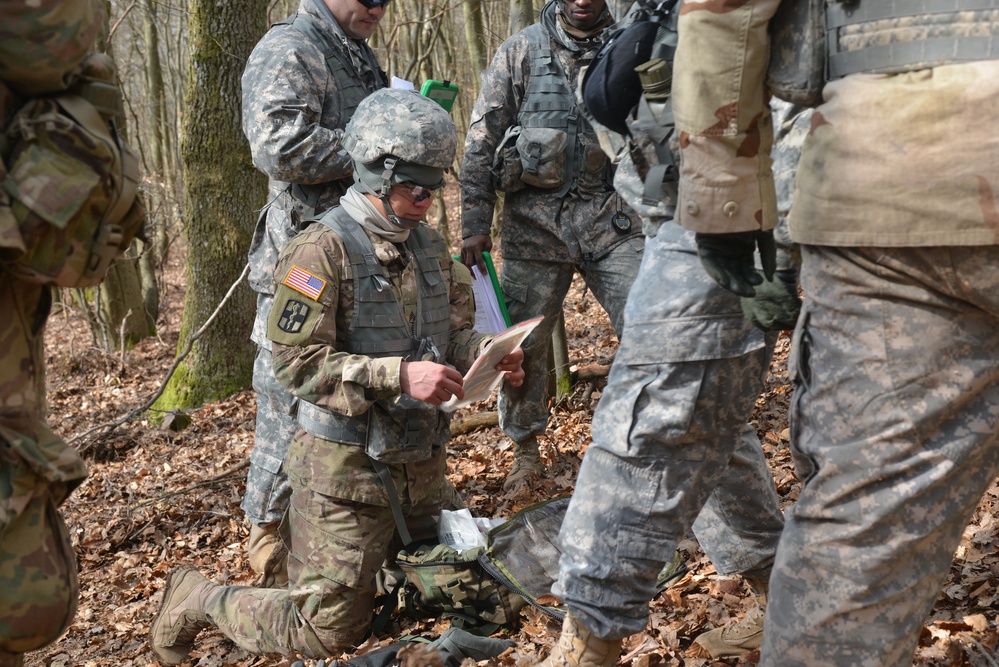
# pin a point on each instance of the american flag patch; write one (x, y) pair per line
(302, 281)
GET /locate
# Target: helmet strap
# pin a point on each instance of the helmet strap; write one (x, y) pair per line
(387, 172)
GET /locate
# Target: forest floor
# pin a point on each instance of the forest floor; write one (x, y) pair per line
(157, 499)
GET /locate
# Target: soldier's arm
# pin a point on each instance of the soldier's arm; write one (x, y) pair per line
(302, 328)
(495, 110)
(465, 344)
(722, 115)
(284, 87)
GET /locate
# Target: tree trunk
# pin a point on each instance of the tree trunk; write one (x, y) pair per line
(221, 190)
(121, 310)
(521, 15)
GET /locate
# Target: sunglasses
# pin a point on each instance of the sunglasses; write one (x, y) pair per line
(415, 193)
(371, 4)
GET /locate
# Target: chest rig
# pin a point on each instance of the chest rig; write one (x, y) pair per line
(402, 429)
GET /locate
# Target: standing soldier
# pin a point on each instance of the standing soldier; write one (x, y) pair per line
(529, 139)
(895, 359)
(67, 209)
(300, 87)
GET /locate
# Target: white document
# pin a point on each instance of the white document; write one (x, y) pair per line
(402, 84)
(488, 316)
(482, 377)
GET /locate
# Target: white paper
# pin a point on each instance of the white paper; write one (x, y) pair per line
(488, 316)
(402, 84)
(482, 377)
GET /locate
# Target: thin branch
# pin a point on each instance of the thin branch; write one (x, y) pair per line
(111, 426)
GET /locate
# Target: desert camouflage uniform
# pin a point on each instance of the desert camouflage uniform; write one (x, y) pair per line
(895, 416)
(339, 525)
(546, 238)
(293, 115)
(40, 45)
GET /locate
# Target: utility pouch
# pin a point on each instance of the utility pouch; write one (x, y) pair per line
(72, 184)
(797, 69)
(542, 153)
(506, 163)
(404, 430)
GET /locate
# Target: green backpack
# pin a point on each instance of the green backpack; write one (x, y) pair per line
(482, 590)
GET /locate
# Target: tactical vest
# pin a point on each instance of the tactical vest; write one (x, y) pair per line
(351, 85)
(549, 102)
(402, 429)
(815, 41)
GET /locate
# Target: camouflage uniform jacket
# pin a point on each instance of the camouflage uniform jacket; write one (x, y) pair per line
(312, 366)
(537, 224)
(294, 112)
(865, 139)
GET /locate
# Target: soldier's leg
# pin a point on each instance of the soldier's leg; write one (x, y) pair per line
(681, 390)
(896, 363)
(337, 547)
(530, 289)
(267, 487)
(610, 278)
(37, 572)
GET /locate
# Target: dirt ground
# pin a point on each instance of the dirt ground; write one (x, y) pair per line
(157, 499)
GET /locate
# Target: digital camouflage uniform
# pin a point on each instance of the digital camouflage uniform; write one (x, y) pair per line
(672, 450)
(895, 416)
(40, 45)
(546, 236)
(296, 103)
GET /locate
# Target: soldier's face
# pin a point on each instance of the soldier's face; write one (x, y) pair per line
(357, 21)
(583, 14)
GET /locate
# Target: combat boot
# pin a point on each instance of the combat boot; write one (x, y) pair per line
(578, 647)
(268, 555)
(740, 638)
(183, 614)
(526, 463)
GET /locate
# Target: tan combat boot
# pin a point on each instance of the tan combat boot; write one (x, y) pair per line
(578, 647)
(183, 614)
(268, 555)
(740, 638)
(526, 463)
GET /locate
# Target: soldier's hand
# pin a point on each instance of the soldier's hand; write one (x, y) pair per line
(512, 365)
(430, 382)
(728, 258)
(472, 249)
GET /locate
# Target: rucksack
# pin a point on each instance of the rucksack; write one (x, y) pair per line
(483, 589)
(72, 183)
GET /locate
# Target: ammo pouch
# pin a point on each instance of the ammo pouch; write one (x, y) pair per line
(402, 430)
(797, 69)
(72, 183)
(534, 156)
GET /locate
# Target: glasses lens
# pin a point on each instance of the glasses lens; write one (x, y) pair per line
(371, 4)
(416, 193)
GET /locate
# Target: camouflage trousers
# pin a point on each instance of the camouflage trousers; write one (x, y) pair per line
(533, 288)
(336, 548)
(38, 470)
(671, 447)
(895, 433)
(267, 488)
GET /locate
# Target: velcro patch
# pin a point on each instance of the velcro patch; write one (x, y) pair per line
(293, 316)
(305, 283)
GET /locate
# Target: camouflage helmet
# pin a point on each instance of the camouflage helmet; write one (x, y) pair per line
(399, 136)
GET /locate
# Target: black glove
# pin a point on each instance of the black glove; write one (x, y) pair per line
(728, 258)
(775, 306)
(455, 645)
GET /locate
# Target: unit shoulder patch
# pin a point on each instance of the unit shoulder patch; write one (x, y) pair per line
(305, 283)
(293, 316)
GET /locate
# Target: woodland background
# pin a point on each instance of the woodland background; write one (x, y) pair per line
(149, 375)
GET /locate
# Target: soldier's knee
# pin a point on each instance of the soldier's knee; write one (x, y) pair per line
(38, 577)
